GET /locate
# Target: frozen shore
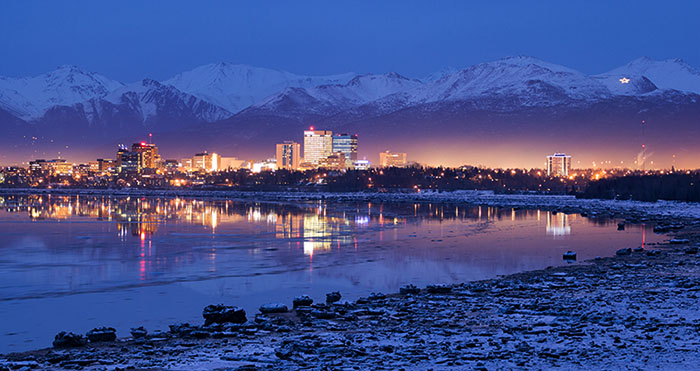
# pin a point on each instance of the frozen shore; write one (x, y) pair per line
(637, 310)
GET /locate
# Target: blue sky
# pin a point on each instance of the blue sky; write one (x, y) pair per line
(130, 40)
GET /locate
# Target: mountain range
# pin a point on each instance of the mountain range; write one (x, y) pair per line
(518, 107)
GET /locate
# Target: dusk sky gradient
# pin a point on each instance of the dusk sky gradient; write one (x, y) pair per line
(130, 40)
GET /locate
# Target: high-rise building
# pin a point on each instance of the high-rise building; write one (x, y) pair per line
(318, 144)
(392, 159)
(127, 161)
(558, 164)
(346, 144)
(149, 154)
(288, 155)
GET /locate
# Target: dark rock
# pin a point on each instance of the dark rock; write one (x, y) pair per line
(678, 241)
(439, 289)
(638, 249)
(273, 308)
(102, 334)
(199, 334)
(620, 226)
(409, 289)
(138, 332)
(182, 330)
(376, 296)
(53, 358)
(570, 255)
(626, 251)
(68, 340)
(691, 250)
(323, 314)
(302, 301)
(222, 314)
(333, 297)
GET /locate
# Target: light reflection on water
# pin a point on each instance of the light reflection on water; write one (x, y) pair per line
(72, 263)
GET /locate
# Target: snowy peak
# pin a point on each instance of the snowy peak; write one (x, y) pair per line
(67, 85)
(626, 84)
(235, 86)
(667, 74)
(151, 98)
(515, 76)
(362, 89)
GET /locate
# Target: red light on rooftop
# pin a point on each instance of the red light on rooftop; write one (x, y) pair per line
(143, 144)
(311, 128)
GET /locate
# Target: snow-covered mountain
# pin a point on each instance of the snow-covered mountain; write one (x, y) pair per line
(235, 86)
(30, 97)
(331, 98)
(673, 74)
(238, 105)
(535, 80)
(147, 104)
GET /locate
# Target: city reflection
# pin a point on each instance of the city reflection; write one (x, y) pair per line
(311, 226)
(558, 224)
(313, 223)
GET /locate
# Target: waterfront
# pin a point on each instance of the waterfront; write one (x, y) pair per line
(77, 262)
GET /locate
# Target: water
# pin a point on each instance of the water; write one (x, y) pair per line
(74, 263)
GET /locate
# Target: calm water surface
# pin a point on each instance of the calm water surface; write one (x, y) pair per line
(74, 263)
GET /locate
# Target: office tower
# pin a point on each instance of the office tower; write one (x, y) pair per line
(288, 155)
(318, 144)
(127, 161)
(149, 154)
(346, 144)
(558, 164)
(391, 159)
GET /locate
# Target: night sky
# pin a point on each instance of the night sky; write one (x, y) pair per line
(130, 40)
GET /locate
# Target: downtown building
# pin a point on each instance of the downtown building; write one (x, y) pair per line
(288, 155)
(392, 159)
(128, 161)
(558, 164)
(318, 145)
(347, 145)
(149, 154)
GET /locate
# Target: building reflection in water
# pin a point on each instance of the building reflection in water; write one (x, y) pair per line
(310, 228)
(558, 224)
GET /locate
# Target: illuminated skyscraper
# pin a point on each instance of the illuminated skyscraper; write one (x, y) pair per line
(127, 161)
(558, 164)
(390, 159)
(149, 154)
(347, 145)
(318, 144)
(288, 155)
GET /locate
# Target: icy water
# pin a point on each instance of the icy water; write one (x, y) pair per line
(74, 263)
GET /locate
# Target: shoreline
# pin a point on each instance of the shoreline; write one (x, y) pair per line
(607, 313)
